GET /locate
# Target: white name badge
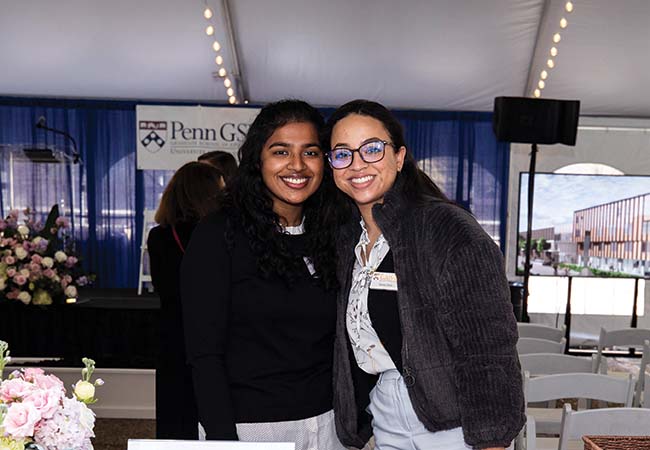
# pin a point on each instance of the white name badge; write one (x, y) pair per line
(384, 281)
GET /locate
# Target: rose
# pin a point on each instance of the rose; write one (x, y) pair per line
(48, 273)
(15, 390)
(24, 272)
(21, 253)
(20, 280)
(24, 297)
(37, 259)
(82, 281)
(9, 260)
(46, 401)
(47, 262)
(11, 272)
(71, 261)
(71, 291)
(60, 256)
(20, 419)
(23, 229)
(84, 391)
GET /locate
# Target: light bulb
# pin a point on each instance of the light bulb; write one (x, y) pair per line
(216, 46)
(568, 6)
(543, 75)
(218, 60)
(207, 13)
(541, 84)
(563, 23)
(245, 102)
(553, 51)
(232, 100)
(557, 37)
(209, 30)
(550, 63)
(537, 93)
(227, 82)
(222, 72)
(230, 92)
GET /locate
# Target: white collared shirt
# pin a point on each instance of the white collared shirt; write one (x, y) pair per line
(369, 352)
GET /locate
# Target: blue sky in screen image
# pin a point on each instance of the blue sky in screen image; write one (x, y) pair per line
(557, 196)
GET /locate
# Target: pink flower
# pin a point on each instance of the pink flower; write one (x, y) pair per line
(13, 294)
(15, 390)
(34, 267)
(3, 225)
(71, 261)
(29, 373)
(37, 259)
(62, 222)
(9, 260)
(14, 213)
(11, 272)
(20, 279)
(49, 382)
(21, 419)
(64, 283)
(27, 245)
(46, 401)
(49, 273)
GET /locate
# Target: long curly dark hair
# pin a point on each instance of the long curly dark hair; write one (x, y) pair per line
(253, 206)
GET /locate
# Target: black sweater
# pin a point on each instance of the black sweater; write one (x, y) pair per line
(259, 351)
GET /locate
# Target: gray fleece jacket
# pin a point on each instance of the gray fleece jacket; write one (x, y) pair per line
(459, 333)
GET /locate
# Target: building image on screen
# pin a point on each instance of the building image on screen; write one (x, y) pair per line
(586, 225)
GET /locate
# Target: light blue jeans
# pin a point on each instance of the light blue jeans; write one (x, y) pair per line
(395, 425)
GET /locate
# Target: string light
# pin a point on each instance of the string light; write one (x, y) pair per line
(550, 63)
(568, 7)
(553, 51)
(210, 30)
(557, 38)
(541, 84)
(563, 23)
(543, 75)
(537, 93)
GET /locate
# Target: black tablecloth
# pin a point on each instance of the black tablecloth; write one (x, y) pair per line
(116, 328)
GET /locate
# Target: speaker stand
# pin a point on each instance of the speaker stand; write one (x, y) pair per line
(529, 231)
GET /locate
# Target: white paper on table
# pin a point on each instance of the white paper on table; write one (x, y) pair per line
(156, 444)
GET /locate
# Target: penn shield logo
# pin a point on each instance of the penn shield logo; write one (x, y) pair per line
(153, 134)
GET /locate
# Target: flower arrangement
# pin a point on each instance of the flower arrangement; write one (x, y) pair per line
(36, 265)
(36, 414)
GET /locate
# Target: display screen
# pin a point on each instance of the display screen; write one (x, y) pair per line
(586, 225)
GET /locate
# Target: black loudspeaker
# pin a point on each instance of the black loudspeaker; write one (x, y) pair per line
(536, 121)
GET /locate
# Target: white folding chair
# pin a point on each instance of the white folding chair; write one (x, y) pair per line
(533, 345)
(606, 421)
(629, 337)
(555, 363)
(534, 330)
(572, 385)
(642, 381)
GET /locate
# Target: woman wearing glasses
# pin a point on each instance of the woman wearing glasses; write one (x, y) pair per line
(258, 290)
(426, 336)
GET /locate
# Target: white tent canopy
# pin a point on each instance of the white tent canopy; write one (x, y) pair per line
(419, 54)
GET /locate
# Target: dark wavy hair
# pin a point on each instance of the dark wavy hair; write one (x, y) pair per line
(253, 206)
(191, 194)
(414, 184)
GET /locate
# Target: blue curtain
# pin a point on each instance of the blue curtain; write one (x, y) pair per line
(105, 195)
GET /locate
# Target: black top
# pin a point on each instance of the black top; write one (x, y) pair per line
(260, 351)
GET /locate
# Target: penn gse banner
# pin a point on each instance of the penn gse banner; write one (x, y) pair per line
(170, 136)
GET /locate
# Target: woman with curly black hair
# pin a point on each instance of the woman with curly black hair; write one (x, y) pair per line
(258, 290)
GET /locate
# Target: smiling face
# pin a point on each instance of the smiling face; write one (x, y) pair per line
(292, 167)
(365, 183)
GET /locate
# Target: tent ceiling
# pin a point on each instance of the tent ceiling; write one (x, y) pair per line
(422, 54)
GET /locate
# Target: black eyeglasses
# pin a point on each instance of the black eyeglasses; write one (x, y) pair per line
(370, 152)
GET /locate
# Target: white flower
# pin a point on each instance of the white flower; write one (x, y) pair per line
(21, 253)
(47, 262)
(71, 291)
(84, 391)
(60, 256)
(24, 297)
(23, 229)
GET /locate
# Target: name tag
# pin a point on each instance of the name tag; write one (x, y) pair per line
(384, 281)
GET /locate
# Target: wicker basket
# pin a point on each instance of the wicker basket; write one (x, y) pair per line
(617, 442)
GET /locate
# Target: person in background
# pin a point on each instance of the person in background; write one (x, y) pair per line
(223, 161)
(426, 336)
(191, 194)
(258, 284)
